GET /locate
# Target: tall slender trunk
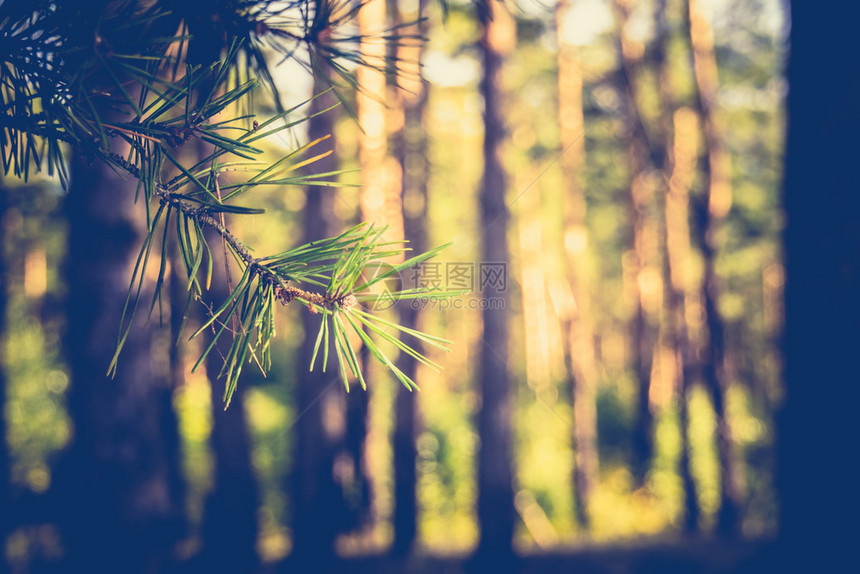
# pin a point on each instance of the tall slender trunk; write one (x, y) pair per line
(374, 199)
(5, 461)
(317, 500)
(495, 489)
(712, 209)
(577, 328)
(229, 529)
(122, 510)
(409, 147)
(683, 165)
(644, 417)
(178, 297)
(642, 263)
(679, 139)
(691, 502)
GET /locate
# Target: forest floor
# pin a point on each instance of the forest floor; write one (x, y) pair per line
(694, 556)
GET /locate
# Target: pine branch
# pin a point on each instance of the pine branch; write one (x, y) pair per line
(284, 293)
(336, 265)
(102, 83)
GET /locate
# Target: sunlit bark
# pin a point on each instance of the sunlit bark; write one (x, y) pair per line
(577, 327)
(642, 267)
(5, 462)
(373, 200)
(679, 139)
(409, 148)
(682, 165)
(716, 170)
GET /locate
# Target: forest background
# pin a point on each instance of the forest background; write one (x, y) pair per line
(636, 314)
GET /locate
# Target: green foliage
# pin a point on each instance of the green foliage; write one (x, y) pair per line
(111, 87)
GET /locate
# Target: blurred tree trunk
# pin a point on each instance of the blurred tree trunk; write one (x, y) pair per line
(712, 209)
(178, 296)
(317, 498)
(678, 135)
(643, 425)
(229, 525)
(5, 461)
(358, 482)
(495, 488)
(374, 199)
(120, 479)
(642, 261)
(409, 144)
(681, 161)
(816, 477)
(409, 148)
(577, 330)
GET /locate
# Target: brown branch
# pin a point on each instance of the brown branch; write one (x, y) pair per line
(285, 293)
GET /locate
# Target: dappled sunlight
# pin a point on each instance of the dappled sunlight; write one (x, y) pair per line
(620, 512)
(636, 305)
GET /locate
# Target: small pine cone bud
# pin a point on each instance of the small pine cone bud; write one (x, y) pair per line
(348, 302)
